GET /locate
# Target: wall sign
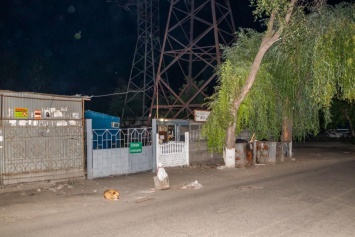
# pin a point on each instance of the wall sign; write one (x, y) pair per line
(21, 113)
(38, 114)
(201, 115)
(135, 147)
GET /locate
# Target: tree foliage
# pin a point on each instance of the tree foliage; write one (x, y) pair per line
(343, 115)
(312, 63)
(334, 60)
(258, 105)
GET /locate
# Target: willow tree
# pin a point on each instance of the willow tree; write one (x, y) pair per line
(290, 83)
(260, 104)
(313, 65)
(333, 69)
(279, 13)
(343, 115)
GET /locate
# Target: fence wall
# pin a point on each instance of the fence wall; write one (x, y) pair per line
(198, 149)
(110, 152)
(41, 137)
(173, 154)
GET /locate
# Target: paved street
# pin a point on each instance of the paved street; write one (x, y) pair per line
(311, 196)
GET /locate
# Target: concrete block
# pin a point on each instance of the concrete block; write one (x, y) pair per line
(161, 185)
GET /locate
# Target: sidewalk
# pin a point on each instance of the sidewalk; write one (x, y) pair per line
(134, 186)
(125, 183)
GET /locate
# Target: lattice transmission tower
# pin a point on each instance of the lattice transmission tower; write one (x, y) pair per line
(146, 57)
(191, 52)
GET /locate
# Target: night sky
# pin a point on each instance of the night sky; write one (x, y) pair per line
(74, 46)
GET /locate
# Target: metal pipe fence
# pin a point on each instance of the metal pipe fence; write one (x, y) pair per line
(120, 138)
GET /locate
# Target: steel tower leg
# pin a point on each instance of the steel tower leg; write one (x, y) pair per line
(191, 51)
(143, 71)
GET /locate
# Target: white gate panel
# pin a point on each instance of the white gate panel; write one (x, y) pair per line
(173, 154)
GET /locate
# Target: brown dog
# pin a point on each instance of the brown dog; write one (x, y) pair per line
(112, 194)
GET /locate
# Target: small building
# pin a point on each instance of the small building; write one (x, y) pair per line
(101, 120)
(105, 127)
(41, 137)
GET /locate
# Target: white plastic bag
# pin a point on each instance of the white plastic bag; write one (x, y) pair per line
(193, 185)
(161, 173)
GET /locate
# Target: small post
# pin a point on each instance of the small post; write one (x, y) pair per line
(157, 151)
(187, 146)
(89, 149)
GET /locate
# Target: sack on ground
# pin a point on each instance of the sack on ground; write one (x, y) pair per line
(162, 174)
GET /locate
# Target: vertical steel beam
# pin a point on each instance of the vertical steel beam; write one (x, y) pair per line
(191, 51)
(145, 62)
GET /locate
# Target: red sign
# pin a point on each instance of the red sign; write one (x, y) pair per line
(38, 114)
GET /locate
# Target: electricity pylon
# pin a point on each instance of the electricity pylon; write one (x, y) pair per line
(146, 57)
(191, 51)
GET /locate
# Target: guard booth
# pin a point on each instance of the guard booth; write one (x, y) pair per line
(41, 137)
(172, 129)
(179, 142)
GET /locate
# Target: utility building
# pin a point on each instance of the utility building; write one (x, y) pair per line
(41, 137)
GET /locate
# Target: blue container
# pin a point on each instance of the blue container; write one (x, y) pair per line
(106, 130)
(102, 121)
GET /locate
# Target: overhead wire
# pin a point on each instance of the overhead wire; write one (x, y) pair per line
(120, 93)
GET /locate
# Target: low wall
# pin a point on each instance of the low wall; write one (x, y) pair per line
(199, 153)
(258, 152)
(262, 152)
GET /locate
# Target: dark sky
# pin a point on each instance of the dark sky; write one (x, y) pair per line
(73, 46)
(43, 32)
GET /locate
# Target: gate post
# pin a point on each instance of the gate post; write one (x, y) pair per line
(89, 149)
(2, 158)
(289, 153)
(157, 151)
(187, 148)
(155, 143)
(272, 152)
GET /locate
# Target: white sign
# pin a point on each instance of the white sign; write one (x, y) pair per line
(201, 115)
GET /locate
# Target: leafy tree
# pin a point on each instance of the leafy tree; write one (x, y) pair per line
(343, 115)
(187, 91)
(314, 69)
(279, 13)
(293, 83)
(129, 112)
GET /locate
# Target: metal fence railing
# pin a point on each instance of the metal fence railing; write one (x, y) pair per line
(120, 138)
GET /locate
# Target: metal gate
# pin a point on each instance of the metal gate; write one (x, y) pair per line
(41, 137)
(110, 152)
(173, 153)
(40, 152)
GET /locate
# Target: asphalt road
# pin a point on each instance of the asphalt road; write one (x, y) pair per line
(313, 196)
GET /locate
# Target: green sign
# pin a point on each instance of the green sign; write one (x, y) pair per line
(135, 147)
(21, 113)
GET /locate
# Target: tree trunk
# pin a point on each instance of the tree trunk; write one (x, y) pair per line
(269, 39)
(350, 123)
(229, 156)
(286, 134)
(230, 140)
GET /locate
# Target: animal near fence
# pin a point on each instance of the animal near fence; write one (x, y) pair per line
(173, 153)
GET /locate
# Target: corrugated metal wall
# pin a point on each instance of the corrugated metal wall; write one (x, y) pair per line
(41, 137)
